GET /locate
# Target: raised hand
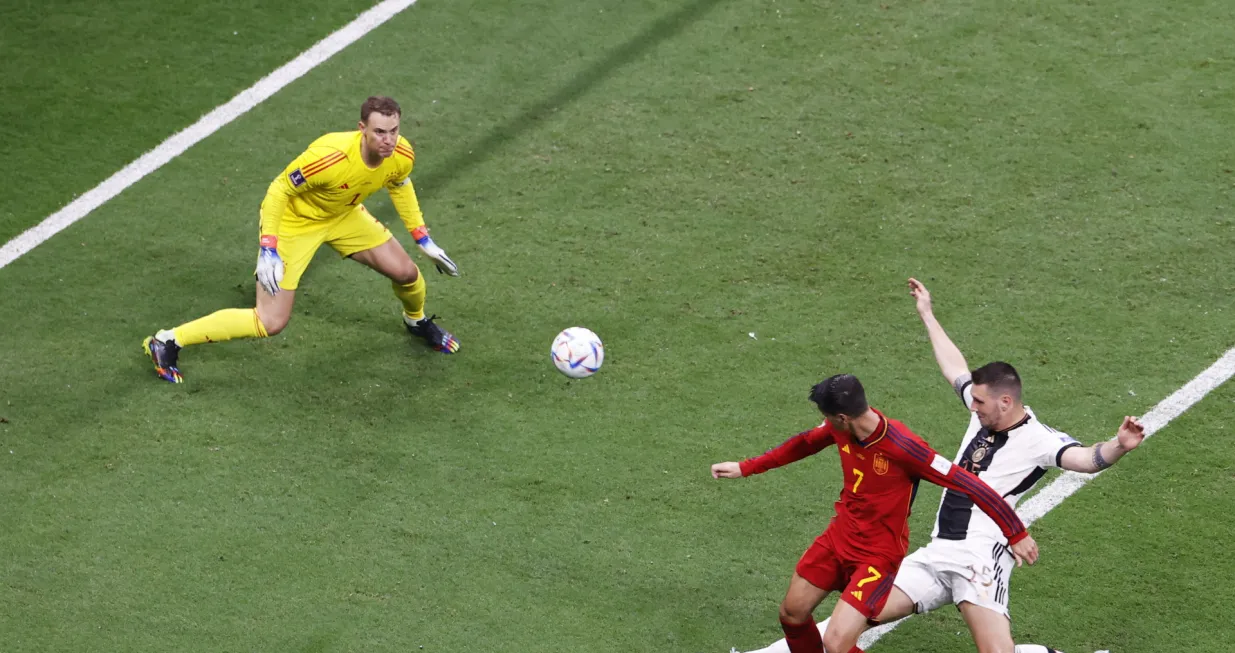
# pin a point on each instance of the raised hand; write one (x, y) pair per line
(921, 294)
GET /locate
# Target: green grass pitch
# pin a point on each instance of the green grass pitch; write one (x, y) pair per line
(675, 176)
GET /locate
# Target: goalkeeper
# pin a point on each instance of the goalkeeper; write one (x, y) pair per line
(319, 199)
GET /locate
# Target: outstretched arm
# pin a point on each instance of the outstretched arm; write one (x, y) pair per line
(951, 360)
(796, 448)
(1104, 454)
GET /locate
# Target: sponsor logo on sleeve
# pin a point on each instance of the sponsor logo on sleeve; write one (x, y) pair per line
(941, 464)
(296, 177)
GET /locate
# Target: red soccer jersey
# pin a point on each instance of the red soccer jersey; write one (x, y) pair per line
(881, 479)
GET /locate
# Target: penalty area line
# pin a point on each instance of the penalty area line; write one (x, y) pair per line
(176, 145)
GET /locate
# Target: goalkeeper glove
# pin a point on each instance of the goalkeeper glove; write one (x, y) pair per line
(269, 266)
(430, 248)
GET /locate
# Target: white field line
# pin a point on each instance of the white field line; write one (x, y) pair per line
(207, 125)
(1067, 483)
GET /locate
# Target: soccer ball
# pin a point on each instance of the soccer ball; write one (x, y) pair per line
(577, 352)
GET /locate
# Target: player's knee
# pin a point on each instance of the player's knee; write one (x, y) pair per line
(273, 322)
(275, 327)
(793, 614)
(834, 642)
(407, 274)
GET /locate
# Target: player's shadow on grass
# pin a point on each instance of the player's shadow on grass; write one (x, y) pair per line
(428, 184)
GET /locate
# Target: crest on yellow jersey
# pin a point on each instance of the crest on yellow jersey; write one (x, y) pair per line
(880, 464)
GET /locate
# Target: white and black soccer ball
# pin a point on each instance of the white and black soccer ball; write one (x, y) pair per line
(577, 352)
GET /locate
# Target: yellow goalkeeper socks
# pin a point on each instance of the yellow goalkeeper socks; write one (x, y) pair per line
(413, 297)
(227, 324)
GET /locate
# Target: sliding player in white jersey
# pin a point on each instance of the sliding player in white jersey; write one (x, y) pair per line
(967, 562)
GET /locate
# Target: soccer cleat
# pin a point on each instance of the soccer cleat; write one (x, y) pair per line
(164, 355)
(434, 335)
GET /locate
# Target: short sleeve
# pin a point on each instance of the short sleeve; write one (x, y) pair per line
(1051, 447)
(964, 389)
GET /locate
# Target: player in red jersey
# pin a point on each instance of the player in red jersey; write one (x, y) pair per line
(861, 550)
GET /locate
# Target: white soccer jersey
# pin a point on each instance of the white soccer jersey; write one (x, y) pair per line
(1010, 461)
(968, 557)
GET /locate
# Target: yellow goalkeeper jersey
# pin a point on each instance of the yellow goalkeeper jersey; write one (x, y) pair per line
(330, 179)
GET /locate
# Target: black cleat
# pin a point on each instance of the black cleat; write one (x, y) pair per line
(164, 355)
(433, 335)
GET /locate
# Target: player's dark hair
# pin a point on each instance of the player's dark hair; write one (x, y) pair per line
(379, 104)
(840, 395)
(1000, 377)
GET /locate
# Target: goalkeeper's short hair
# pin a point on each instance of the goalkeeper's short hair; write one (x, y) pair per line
(379, 104)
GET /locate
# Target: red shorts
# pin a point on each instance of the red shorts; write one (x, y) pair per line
(865, 582)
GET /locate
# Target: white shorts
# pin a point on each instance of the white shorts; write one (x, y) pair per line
(946, 572)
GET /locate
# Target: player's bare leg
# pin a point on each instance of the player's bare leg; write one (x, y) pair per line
(268, 317)
(782, 645)
(899, 606)
(275, 311)
(797, 615)
(391, 261)
(992, 632)
(844, 627)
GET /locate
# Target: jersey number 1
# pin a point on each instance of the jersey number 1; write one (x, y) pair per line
(354, 198)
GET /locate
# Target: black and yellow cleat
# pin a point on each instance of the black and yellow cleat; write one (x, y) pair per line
(433, 335)
(163, 355)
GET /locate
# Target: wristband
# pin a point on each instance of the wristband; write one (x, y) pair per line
(269, 242)
(421, 234)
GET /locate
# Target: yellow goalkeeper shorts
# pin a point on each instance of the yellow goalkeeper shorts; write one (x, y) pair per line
(355, 231)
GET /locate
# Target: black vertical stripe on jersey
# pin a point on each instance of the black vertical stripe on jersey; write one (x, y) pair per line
(1027, 482)
(957, 508)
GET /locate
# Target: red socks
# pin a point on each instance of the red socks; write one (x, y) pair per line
(802, 638)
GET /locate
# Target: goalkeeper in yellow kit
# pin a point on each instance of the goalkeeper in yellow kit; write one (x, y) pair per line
(319, 199)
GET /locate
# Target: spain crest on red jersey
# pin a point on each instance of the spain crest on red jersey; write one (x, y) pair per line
(880, 464)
